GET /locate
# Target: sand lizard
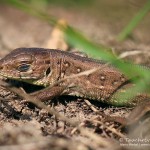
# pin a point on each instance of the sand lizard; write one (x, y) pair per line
(47, 67)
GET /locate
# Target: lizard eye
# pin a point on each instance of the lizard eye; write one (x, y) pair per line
(23, 67)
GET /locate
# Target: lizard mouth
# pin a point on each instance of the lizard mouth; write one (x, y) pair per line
(24, 85)
(23, 79)
(5, 75)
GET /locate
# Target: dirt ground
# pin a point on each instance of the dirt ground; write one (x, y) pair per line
(26, 126)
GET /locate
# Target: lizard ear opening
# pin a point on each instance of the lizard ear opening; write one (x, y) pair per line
(48, 71)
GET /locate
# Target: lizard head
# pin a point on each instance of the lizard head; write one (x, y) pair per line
(30, 65)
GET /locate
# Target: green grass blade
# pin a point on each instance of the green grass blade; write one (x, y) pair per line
(134, 22)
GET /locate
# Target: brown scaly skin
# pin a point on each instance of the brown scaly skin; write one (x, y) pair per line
(46, 67)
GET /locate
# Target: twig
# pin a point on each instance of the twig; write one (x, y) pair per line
(129, 53)
(104, 115)
(118, 119)
(87, 72)
(113, 130)
(97, 139)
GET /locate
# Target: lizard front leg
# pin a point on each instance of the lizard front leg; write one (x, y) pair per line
(48, 93)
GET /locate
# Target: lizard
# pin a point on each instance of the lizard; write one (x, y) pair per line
(48, 68)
